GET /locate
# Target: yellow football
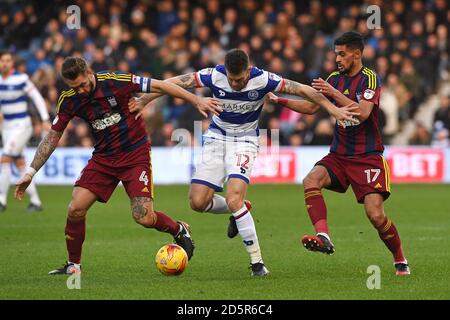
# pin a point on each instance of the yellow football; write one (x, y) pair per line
(171, 260)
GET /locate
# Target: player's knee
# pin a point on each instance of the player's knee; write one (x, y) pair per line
(197, 203)
(376, 216)
(311, 182)
(235, 202)
(76, 212)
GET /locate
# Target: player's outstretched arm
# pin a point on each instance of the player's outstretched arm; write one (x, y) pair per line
(185, 81)
(203, 105)
(341, 114)
(301, 106)
(43, 152)
(365, 107)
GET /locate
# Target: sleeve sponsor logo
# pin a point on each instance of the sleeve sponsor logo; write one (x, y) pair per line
(136, 79)
(206, 72)
(274, 77)
(368, 94)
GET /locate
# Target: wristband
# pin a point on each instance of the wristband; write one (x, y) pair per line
(30, 171)
(283, 101)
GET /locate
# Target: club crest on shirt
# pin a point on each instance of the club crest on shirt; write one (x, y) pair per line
(253, 94)
(112, 101)
(368, 94)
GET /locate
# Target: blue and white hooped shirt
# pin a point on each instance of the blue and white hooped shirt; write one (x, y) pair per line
(14, 92)
(241, 109)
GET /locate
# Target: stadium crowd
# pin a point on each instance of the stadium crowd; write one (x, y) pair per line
(410, 53)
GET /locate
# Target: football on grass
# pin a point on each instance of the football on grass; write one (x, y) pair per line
(171, 260)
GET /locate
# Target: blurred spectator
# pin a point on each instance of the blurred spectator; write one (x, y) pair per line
(440, 136)
(167, 16)
(389, 105)
(323, 133)
(442, 115)
(421, 135)
(411, 80)
(316, 55)
(292, 38)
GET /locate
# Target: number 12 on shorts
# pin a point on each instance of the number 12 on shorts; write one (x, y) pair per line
(242, 161)
(376, 173)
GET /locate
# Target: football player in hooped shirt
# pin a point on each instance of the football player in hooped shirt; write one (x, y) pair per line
(356, 153)
(121, 151)
(230, 145)
(17, 127)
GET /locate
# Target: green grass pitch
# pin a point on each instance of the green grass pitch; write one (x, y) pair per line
(118, 255)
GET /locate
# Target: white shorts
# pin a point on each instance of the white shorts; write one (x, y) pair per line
(15, 135)
(222, 160)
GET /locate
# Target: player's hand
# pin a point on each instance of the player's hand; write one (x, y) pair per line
(206, 105)
(272, 98)
(323, 87)
(346, 115)
(136, 105)
(21, 186)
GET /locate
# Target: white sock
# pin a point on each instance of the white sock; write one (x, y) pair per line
(325, 235)
(218, 205)
(32, 191)
(247, 230)
(5, 176)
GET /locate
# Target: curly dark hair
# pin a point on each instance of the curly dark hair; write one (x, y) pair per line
(72, 67)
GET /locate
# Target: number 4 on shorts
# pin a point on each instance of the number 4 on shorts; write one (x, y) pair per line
(144, 177)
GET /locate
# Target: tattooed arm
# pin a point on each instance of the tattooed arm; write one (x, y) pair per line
(43, 152)
(314, 96)
(186, 81)
(176, 87)
(45, 149)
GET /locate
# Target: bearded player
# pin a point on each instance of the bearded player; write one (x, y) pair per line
(121, 151)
